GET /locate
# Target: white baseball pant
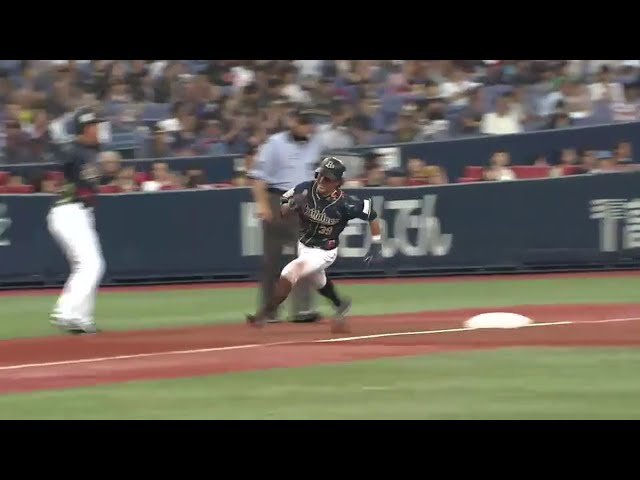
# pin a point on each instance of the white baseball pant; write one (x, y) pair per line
(310, 264)
(73, 227)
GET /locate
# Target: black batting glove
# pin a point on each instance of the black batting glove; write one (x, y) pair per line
(375, 254)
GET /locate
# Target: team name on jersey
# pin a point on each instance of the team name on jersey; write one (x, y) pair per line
(319, 216)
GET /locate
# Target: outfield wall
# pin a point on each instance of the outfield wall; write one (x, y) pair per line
(553, 224)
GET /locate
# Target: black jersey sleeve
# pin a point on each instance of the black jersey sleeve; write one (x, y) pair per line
(77, 170)
(362, 209)
(301, 187)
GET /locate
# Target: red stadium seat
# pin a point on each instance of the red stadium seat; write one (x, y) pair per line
(4, 176)
(531, 171)
(3, 189)
(20, 189)
(467, 180)
(412, 182)
(570, 169)
(109, 189)
(54, 175)
(473, 171)
(141, 177)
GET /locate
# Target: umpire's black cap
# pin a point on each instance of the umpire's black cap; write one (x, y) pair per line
(302, 115)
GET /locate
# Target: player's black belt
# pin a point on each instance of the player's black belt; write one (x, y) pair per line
(276, 191)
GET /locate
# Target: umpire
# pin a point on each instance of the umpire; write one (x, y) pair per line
(286, 159)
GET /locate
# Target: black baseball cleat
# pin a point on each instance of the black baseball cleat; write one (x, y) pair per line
(339, 323)
(84, 330)
(307, 317)
(74, 328)
(343, 308)
(255, 321)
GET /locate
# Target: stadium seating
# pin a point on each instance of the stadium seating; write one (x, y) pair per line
(109, 189)
(531, 171)
(19, 189)
(473, 172)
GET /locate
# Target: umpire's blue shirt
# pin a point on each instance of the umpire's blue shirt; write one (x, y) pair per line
(284, 163)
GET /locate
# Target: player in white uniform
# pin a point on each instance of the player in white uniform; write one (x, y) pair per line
(71, 223)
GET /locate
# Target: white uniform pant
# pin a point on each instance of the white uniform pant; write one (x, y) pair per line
(310, 265)
(73, 227)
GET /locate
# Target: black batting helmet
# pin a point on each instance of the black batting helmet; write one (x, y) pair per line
(331, 167)
(84, 116)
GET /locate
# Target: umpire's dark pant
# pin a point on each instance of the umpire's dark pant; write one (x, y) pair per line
(277, 234)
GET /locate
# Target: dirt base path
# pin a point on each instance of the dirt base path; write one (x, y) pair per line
(68, 361)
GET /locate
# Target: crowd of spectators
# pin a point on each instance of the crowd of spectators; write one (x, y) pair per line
(568, 161)
(214, 107)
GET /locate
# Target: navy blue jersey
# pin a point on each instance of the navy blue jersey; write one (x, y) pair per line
(81, 173)
(323, 218)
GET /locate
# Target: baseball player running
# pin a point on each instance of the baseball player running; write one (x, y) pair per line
(71, 223)
(324, 212)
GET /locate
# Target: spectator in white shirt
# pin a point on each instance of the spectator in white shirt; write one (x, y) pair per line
(498, 169)
(578, 101)
(501, 121)
(291, 89)
(605, 89)
(160, 177)
(455, 90)
(242, 77)
(435, 126)
(572, 95)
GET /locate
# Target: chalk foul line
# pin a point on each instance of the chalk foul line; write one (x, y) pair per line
(468, 329)
(293, 342)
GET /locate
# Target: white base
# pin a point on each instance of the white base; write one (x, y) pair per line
(498, 320)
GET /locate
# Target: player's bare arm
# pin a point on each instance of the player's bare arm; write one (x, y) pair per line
(376, 235)
(259, 191)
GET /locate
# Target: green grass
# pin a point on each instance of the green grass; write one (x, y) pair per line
(498, 384)
(22, 316)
